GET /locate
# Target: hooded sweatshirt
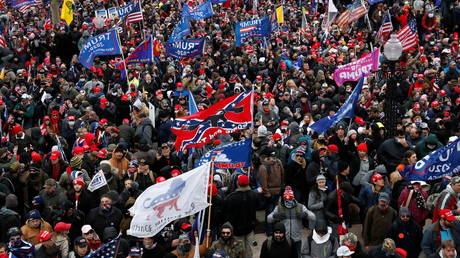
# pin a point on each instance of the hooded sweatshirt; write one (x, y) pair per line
(320, 246)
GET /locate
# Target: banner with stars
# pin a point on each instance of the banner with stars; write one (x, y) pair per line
(232, 155)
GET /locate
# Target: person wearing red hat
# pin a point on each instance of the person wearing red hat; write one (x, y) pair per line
(61, 238)
(47, 246)
(267, 117)
(360, 165)
(290, 212)
(20, 139)
(369, 193)
(80, 197)
(446, 228)
(240, 210)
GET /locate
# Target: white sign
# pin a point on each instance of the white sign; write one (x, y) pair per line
(97, 182)
(167, 201)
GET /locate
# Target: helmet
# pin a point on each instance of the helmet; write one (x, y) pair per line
(14, 231)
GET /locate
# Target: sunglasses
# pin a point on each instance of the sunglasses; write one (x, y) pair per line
(405, 216)
(225, 233)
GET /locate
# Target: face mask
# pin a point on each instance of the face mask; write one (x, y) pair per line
(170, 81)
(71, 123)
(82, 79)
(185, 248)
(289, 203)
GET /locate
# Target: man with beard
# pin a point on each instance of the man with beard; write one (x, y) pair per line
(53, 196)
(278, 245)
(406, 233)
(34, 225)
(152, 249)
(228, 243)
(80, 197)
(378, 219)
(47, 247)
(446, 228)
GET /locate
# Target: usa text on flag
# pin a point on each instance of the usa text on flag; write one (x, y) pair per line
(227, 116)
(408, 35)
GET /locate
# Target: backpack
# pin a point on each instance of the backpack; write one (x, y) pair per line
(269, 242)
(432, 201)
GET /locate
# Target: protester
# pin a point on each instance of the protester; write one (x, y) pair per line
(278, 245)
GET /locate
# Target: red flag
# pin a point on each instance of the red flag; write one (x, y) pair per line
(226, 116)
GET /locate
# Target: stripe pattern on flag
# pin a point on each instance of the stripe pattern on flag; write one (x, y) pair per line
(408, 35)
(386, 28)
(357, 10)
(2, 42)
(135, 16)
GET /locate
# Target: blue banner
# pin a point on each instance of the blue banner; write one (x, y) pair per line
(143, 53)
(181, 30)
(371, 2)
(347, 110)
(246, 29)
(104, 44)
(185, 48)
(441, 162)
(218, 1)
(16, 4)
(233, 155)
(201, 11)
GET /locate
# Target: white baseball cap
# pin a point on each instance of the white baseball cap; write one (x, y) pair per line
(344, 251)
(86, 228)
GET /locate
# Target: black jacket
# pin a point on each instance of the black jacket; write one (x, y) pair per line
(278, 249)
(100, 220)
(240, 209)
(407, 236)
(390, 153)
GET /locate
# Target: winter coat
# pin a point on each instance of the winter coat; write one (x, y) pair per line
(431, 241)
(271, 177)
(292, 219)
(320, 247)
(419, 214)
(421, 148)
(240, 210)
(316, 203)
(100, 220)
(273, 249)
(8, 219)
(376, 225)
(331, 209)
(62, 242)
(391, 153)
(31, 234)
(144, 131)
(407, 236)
(369, 197)
(54, 200)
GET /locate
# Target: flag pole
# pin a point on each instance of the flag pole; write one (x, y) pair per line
(208, 230)
(123, 56)
(142, 24)
(252, 121)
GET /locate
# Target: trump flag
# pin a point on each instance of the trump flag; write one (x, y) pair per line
(185, 48)
(227, 116)
(246, 29)
(181, 30)
(143, 53)
(167, 201)
(441, 162)
(201, 11)
(101, 45)
(232, 155)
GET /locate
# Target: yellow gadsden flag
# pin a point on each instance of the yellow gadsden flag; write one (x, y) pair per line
(279, 14)
(67, 11)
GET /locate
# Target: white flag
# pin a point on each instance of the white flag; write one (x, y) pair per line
(167, 201)
(152, 114)
(97, 182)
(330, 16)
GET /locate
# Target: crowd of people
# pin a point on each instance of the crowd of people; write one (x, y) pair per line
(62, 123)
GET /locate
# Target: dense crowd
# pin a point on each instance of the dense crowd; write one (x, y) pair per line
(62, 123)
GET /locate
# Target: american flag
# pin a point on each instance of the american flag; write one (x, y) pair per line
(342, 21)
(386, 28)
(357, 10)
(24, 6)
(2, 42)
(107, 250)
(408, 35)
(136, 15)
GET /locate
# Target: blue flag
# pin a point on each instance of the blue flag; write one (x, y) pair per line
(218, 1)
(130, 7)
(106, 250)
(246, 29)
(201, 11)
(371, 2)
(232, 155)
(185, 48)
(347, 110)
(104, 44)
(192, 109)
(23, 5)
(441, 162)
(181, 30)
(143, 53)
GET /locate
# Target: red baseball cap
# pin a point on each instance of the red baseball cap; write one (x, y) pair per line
(243, 180)
(103, 121)
(446, 214)
(78, 150)
(359, 120)
(61, 226)
(175, 172)
(55, 155)
(376, 177)
(102, 154)
(44, 236)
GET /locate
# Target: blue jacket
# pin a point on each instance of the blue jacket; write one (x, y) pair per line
(368, 197)
(431, 241)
